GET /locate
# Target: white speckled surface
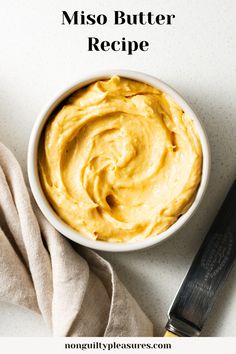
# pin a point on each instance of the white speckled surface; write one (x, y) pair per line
(196, 56)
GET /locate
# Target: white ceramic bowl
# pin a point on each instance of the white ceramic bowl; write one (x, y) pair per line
(41, 199)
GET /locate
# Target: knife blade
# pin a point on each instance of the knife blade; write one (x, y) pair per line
(207, 274)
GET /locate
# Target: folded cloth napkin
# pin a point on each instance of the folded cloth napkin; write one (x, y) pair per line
(76, 290)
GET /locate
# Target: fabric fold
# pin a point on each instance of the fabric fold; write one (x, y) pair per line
(75, 289)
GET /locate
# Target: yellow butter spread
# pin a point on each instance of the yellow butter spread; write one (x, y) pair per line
(120, 161)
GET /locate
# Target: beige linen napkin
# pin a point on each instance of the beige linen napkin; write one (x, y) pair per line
(76, 291)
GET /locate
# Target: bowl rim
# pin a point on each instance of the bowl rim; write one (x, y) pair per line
(43, 203)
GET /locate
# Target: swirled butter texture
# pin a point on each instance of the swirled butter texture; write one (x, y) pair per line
(120, 161)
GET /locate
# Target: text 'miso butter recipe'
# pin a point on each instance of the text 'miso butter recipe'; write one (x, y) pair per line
(120, 161)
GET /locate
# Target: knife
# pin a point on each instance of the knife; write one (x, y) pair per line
(206, 275)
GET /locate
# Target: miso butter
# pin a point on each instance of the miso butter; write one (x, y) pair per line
(120, 161)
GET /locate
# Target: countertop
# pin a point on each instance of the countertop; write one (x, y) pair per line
(196, 55)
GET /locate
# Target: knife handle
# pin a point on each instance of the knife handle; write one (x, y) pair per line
(169, 334)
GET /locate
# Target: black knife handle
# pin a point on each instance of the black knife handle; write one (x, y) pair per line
(207, 273)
